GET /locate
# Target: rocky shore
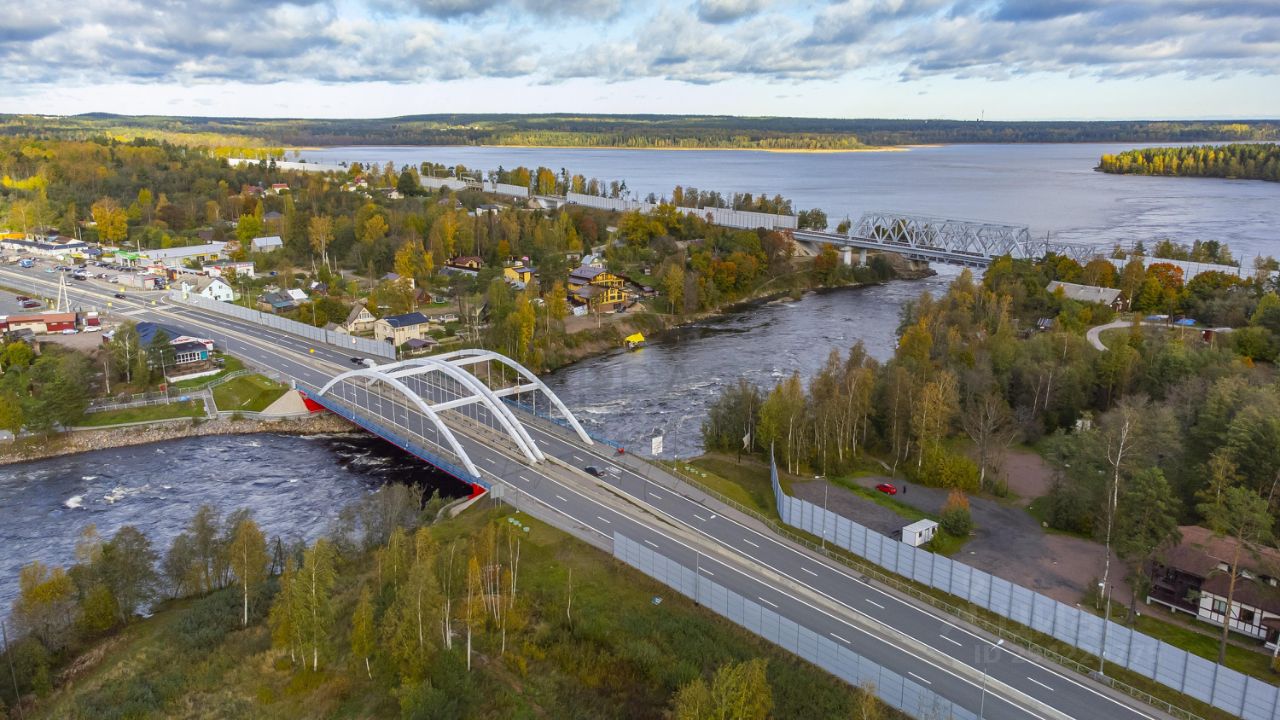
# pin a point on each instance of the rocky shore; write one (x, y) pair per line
(28, 449)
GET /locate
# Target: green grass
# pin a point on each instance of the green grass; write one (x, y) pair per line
(145, 413)
(746, 483)
(1205, 644)
(230, 365)
(250, 393)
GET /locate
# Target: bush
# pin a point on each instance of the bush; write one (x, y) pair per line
(1069, 509)
(956, 519)
(940, 468)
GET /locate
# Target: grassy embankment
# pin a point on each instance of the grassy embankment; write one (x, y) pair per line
(145, 413)
(615, 654)
(249, 393)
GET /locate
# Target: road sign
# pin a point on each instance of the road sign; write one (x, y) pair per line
(656, 445)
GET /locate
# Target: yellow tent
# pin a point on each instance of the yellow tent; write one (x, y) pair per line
(635, 340)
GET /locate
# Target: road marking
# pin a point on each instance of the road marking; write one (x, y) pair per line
(655, 494)
(1046, 687)
(750, 543)
(524, 478)
(561, 498)
(489, 460)
(926, 682)
(605, 520)
(651, 543)
(843, 640)
(699, 517)
(767, 602)
(711, 573)
(957, 643)
(873, 602)
(578, 458)
(809, 571)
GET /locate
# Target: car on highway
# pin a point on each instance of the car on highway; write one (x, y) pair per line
(29, 303)
(20, 298)
(593, 471)
(887, 488)
(121, 296)
(357, 361)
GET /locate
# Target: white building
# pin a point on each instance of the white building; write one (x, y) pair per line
(176, 257)
(222, 269)
(214, 288)
(267, 243)
(919, 532)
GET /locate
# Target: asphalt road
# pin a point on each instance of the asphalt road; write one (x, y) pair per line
(675, 520)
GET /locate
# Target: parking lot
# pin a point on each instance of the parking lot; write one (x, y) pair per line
(10, 306)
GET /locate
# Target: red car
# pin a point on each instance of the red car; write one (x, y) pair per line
(887, 489)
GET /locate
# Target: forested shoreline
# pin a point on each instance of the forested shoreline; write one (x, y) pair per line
(1242, 161)
(255, 136)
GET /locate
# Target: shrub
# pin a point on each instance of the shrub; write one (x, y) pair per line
(956, 519)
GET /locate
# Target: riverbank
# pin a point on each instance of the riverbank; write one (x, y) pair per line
(607, 339)
(81, 441)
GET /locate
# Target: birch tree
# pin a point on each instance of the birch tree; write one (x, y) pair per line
(248, 553)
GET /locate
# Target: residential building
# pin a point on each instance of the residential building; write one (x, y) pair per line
(222, 269)
(187, 353)
(214, 288)
(1087, 293)
(470, 262)
(277, 188)
(421, 345)
(596, 289)
(399, 329)
(1193, 577)
(277, 301)
(176, 257)
(298, 294)
(518, 272)
(359, 321)
(266, 243)
(394, 277)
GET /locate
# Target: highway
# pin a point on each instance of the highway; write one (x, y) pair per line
(679, 522)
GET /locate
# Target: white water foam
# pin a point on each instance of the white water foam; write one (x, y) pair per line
(74, 501)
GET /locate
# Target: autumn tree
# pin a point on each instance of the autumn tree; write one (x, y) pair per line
(740, 691)
(320, 235)
(363, 637)
(247, 551)
(111, 221)
(315, 602)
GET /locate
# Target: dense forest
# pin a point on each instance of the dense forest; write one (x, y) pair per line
(389, 613)
(1166, 427)
(1243, 161)
(626, 131)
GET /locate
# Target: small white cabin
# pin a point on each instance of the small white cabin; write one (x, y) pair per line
(919, 532)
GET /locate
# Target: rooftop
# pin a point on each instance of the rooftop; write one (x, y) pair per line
(1084, 293)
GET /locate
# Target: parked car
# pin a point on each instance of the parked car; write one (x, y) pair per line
(70, 331)
(20, 298)
(28, 303)
(887, 488)
(97, 328)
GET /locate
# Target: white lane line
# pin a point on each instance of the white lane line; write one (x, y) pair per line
(926, 682)
(651, 544)
(750, 543)
(809, 571)
(843, 640)
(578, 458)
(561, 498)
(770, 603)
(957, 643)
(699, 517)
(489, 460)
(655, 494)
(708, 572)
(1046, 687)
(873, 602)
(524, 478)
(603, 519)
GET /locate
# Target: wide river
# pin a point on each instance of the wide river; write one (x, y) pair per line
(296, 485)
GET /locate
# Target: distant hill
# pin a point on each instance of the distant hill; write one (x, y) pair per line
(633, 131)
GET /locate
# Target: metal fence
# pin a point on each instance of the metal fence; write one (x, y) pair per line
(506, 189)
(604, 203)
(898, 692)
(1204, 680)
(328, 337)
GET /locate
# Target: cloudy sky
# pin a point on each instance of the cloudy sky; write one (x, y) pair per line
(1005, 59)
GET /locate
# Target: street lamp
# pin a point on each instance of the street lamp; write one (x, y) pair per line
(982, 703)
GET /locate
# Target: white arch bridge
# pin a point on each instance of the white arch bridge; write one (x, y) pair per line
(424, 404)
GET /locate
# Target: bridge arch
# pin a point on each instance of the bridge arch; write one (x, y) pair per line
(483, 394)
(376, 375)
(472, 356)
